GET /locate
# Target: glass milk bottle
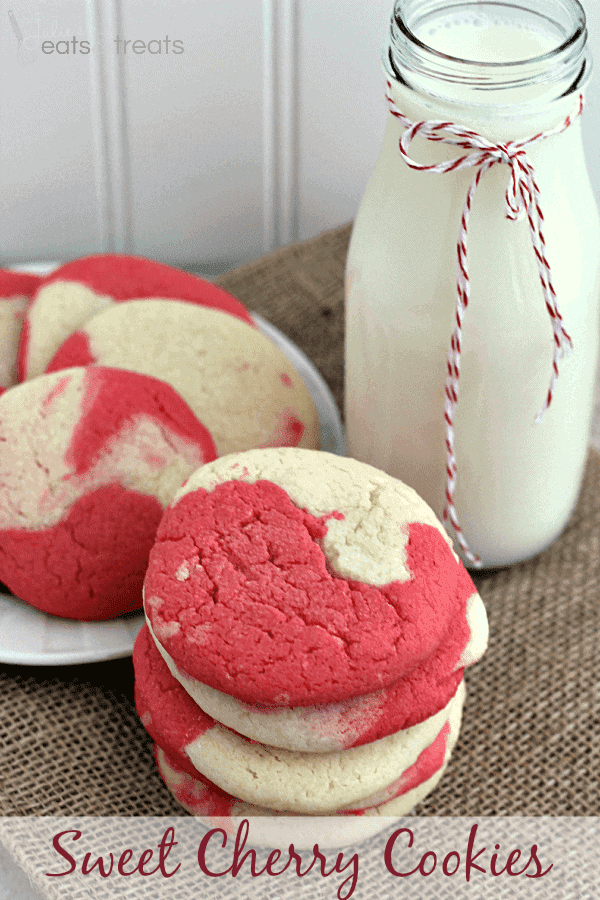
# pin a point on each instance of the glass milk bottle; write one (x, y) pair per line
(500, 251)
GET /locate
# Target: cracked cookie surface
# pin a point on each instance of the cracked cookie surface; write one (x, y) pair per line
(290, 578)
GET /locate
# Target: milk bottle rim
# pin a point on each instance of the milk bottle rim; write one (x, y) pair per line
(559, 72)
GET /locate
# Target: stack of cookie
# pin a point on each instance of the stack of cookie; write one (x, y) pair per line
(132, 375)
(308, 625)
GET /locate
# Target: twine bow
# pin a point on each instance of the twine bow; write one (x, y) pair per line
(522, 199)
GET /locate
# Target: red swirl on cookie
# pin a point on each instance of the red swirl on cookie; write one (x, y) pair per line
(168, 714)
(89, 459)
(16, 290)
(18, 284)
(228, 373)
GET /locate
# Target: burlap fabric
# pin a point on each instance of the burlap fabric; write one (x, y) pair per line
(70, 740)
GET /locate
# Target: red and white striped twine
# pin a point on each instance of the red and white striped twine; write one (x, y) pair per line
(522, 198)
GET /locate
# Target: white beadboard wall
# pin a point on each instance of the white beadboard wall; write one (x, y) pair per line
(261, 132)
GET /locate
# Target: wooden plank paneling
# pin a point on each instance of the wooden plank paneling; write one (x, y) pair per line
(280, 117)
(341, 108)
(194, 128)
(48, 190)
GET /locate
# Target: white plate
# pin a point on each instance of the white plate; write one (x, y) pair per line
(32, 638)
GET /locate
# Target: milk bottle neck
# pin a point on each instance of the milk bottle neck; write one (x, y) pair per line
(506, 70)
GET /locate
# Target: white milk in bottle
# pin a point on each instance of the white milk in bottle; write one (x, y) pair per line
(507, 71)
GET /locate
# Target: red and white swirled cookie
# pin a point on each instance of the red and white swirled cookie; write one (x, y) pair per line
(290, 578)
(231, 768)
(234, 378)
(89, 459)
(75, 292)
(16, 290)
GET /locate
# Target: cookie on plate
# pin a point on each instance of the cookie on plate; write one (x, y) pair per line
(89, 460)
(239, 384)
(16, 290)
(75, 292)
